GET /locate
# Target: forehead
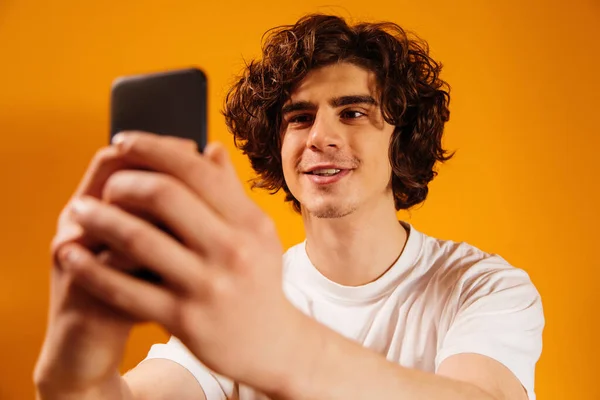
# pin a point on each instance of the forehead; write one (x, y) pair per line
(335, 80)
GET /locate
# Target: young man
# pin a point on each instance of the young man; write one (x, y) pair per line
(348, 122)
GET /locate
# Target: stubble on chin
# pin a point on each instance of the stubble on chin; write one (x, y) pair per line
(330, 212)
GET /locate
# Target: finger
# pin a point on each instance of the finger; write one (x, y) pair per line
(183, 143)
(106, 161)
(116, 260)
(216, 184)
(70, 231)
(127, 294)
(109, 160)
(163, 197)
(123, 263)
(143, 243)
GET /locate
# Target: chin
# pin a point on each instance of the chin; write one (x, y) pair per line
(329, 210)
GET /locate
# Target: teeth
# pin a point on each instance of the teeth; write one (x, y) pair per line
(326, 172)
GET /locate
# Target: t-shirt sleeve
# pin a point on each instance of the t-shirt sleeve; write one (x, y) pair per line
(215, 387)
(497, 313)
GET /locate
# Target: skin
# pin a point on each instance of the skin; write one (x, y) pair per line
(353, 234)
(224, 252)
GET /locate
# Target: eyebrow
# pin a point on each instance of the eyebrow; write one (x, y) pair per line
(334, 102)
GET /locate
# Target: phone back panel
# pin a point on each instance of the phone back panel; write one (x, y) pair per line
(170, 103)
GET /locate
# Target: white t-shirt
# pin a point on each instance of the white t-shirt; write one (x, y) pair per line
(439, 299)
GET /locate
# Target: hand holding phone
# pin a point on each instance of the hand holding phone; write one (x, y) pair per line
(171, 103)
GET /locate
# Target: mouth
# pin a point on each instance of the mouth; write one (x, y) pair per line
(325, 172)
(326, 176)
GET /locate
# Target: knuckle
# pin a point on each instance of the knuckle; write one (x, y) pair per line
(240, 257)
(228, 248)
(219, 287)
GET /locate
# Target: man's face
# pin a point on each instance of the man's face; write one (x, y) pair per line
(335, 142)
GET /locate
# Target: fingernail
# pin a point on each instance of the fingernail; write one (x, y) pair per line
(118, 138)
(80, 206)
(69, 255)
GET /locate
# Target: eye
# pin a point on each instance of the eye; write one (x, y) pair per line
(352, 114)
(300, 119)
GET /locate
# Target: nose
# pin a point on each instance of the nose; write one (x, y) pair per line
(323, 134)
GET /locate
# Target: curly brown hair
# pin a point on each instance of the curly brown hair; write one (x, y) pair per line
(412, 96)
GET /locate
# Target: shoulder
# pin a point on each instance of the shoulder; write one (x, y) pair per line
(467, 271)
(488, 307)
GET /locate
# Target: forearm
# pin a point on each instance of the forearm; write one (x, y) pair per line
(113, 389)
(338, 368)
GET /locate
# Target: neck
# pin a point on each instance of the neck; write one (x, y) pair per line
(358, 248)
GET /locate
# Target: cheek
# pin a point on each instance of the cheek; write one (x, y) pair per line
(378, 156)
(379, 170)
(383, 170)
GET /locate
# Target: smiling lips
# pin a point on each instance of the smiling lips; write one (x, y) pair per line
(325, 171)
(326, 175)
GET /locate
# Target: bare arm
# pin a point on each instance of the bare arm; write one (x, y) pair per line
(159, 379)
(114, 389)
(343, 369)
(463, 376)
(155, 379)
(484, 372)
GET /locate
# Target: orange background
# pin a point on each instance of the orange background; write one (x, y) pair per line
(524, 121)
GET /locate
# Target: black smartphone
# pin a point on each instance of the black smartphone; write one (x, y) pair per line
(171, 103)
